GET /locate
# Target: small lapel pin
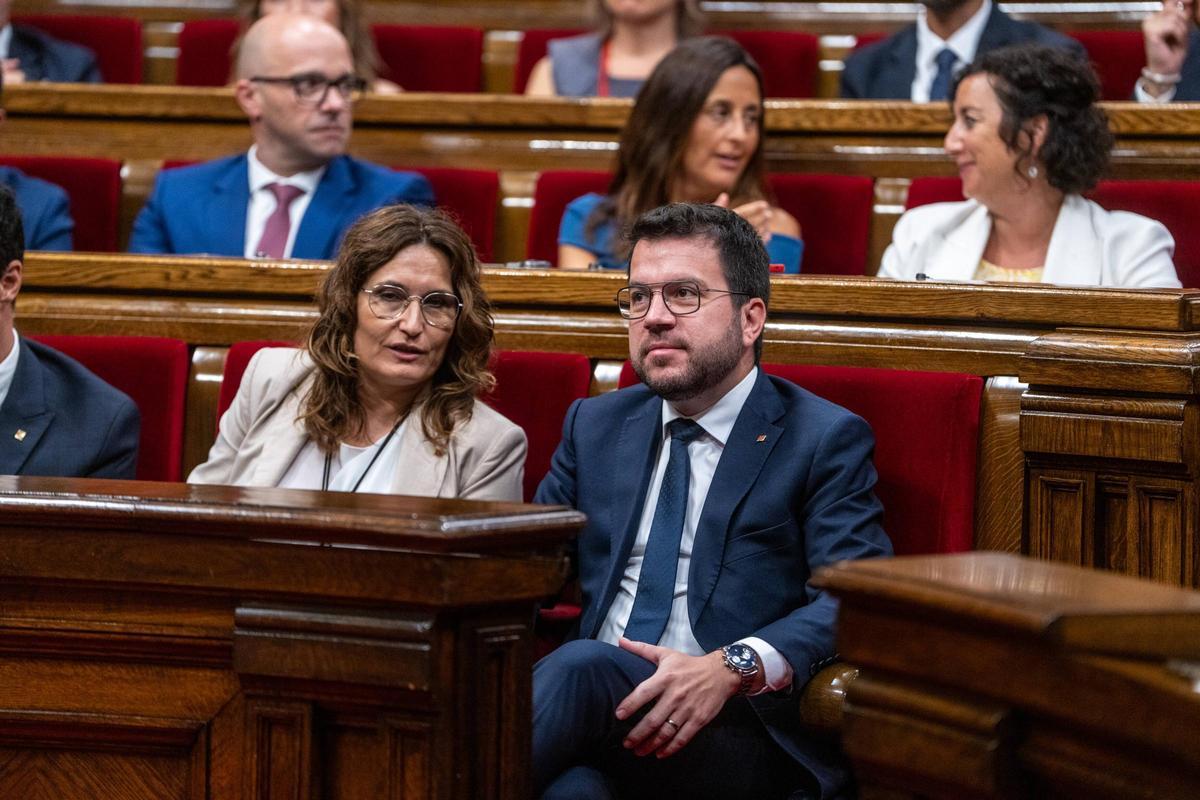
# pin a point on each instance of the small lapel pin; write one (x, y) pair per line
(762, 437)
(19, 435)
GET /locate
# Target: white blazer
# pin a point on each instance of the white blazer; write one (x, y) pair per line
(259, 438)
(1088, 247)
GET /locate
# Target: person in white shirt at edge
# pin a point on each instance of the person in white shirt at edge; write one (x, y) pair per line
(1028, 139)
(1172, 71)
(382, 398)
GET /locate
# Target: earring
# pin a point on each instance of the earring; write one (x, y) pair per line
(1032, 172)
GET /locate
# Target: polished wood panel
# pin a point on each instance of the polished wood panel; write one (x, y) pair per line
(168, 641)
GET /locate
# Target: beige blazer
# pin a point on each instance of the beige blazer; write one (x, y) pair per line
(1088, 247)
(259, 438)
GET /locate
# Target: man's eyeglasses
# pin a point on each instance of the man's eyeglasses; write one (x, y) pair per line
(439, 309)
(680, 297)
(312, 88)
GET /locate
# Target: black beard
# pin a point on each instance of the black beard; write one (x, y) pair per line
(706, 368)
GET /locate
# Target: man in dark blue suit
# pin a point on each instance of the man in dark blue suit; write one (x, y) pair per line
(56, 418)
(296, 191)
(919, 62)
(1172, 71)
(712, 492)
(30, 55)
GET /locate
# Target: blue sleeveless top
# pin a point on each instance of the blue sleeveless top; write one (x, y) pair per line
(575, 65)
(781, 249)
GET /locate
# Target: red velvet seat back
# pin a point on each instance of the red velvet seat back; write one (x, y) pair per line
(204, 52)
(154, 372)
(1118, 57)
(531, 49)
(926, 428)
(554, 190)
(472, 196)
(116, 41)
(534, 390)
(236, 361)
(787, 59)
(426, 58)
(93, 187)
(1173, 203)
(834, 212)
(923, 191)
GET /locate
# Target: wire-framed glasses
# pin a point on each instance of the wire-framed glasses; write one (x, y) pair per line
(680, 297)
(311, 88)
(388, 301)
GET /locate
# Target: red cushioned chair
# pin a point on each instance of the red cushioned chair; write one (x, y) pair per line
(116, 41)
(1118, 57)
(154, 373)
(93, 187)
(554, 190)
(1173, 203)
(834, 212)
(472, 196)
(926, 445)
(788, 60)
(427, 58)
(923, 191)
(236, 361)
(532, 48)
(205, 56)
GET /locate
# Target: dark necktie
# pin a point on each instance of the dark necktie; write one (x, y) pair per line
(656, 583)
(940, 88)
(279, 224)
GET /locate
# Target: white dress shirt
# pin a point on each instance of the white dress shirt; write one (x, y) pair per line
(8, 368)
(703, 454)
(262, 202)
(963, 42)
(5, 40)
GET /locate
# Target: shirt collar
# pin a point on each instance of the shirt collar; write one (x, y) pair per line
(260, 176)
(5, 40)
(718, 420)
(964, 41)
(8, 367)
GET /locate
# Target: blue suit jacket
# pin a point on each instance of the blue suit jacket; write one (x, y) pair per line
(44, 58)
(1188, 90)
(45, 210)
(885, 70)
(201, 209)
(75, 424)
(777, 509)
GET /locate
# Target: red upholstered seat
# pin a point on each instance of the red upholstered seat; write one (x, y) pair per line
(532, 48)
(472, 196)
(554, 190)
(116, 41)
(923, 191)
(834, 212)
(204, 52)
(1173, 203)
(93, 187)
(926, 445)
(426, 58)
(1118, 57)
(788, 60)
(154, 373)
(535, 390)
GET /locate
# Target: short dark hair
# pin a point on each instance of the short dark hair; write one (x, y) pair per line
(1033, 80)
(744, 261)
(12, 231)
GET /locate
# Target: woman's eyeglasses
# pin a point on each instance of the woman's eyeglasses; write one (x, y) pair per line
(439, 309)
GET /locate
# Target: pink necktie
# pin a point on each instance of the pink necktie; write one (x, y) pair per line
(279, 224)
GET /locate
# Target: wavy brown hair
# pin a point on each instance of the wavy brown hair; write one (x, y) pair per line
(332, 412)
(353, 27)
(655, 138)
(689, 19)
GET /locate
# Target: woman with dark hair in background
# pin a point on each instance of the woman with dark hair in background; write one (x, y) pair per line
(383, 398)
(1028, 139)
(346, 16)
(632, 36)
(695, 135)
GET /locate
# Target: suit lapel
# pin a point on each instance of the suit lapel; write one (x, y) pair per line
(637, 444)
(997, 32)
(755, 435)
(24, 417)
(319, 227)
(226, 216)
(282, 438)
(902, 65)
(957, 256)
(1075, 255)
(420, 470)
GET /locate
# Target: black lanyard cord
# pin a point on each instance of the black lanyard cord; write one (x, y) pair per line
(374, 458)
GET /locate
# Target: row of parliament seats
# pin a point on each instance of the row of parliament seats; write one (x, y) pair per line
(414, 55)
(834, 210)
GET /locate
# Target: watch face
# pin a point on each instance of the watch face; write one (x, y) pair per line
(740, 657)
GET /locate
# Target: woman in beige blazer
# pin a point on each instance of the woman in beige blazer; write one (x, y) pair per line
(383, 396)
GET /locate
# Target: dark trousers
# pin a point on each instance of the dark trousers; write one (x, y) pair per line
(577, 740)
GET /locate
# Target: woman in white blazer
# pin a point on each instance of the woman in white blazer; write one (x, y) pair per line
(1028, 139)
(383, 396)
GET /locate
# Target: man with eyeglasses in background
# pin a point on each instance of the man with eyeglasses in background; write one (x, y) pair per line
(296, 191)
(712, 492)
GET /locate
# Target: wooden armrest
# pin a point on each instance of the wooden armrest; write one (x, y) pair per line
(823, 698)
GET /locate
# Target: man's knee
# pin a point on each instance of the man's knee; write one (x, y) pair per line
(591, 662)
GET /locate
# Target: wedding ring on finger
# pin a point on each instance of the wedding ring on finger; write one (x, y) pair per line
(672, 723)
